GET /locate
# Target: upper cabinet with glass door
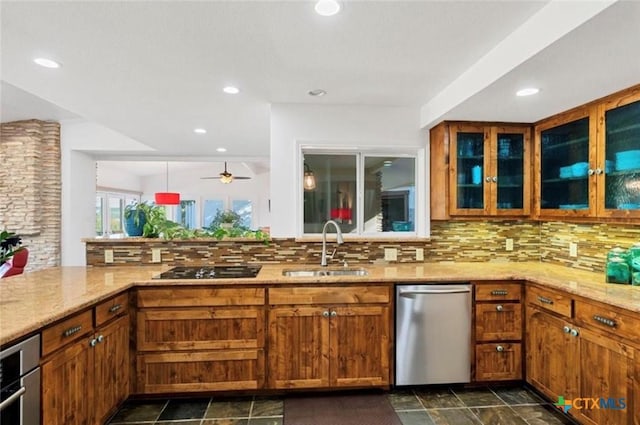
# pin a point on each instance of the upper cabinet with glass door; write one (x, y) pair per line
(489, 170)
(588, 160)
(618, 166)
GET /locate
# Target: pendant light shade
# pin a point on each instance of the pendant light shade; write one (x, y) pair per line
(309, 179)
(167, 198)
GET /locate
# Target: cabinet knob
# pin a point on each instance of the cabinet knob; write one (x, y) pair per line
(566, 329)
(494, 179)
(487, 179)
(100, 338)
(499, 348)
(93, 342)
(590, 171)
(499, 307)
(574, 332)
(599, 171)
(325, 313)
(334, 314)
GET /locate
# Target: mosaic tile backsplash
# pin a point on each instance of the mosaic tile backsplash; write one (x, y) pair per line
(450, 241)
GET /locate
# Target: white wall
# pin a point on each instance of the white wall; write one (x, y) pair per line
(332, 125)
(117, 178)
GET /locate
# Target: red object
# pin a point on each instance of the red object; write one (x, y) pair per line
(167, 198)
(18, 262)
(341, 213)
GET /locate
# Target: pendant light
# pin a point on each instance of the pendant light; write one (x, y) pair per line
(167, 198)
(309, 179)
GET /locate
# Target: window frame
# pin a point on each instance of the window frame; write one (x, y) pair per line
(421, 227)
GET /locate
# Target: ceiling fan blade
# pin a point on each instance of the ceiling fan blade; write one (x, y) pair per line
(241, 178)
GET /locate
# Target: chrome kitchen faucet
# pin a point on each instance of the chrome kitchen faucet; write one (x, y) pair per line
(339, 240)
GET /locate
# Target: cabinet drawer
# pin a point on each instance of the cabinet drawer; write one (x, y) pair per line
(498, 362)
(330, 295)
(200, 328)
(498, 291)
(496, 322)
(116, 306)
(550, 300)
(68, 330)
(184, 297)
(609, 319)
(223, 370)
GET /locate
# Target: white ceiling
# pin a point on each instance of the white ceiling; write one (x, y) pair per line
(153, 71)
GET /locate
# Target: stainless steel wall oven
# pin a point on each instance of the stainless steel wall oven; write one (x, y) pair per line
(20, 383)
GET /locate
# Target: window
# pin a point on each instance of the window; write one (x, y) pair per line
(243, 209)
(110, 212)
(211, 208)
(365, 193)
(186, 214)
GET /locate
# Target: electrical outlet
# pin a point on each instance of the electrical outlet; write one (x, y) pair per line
(573, 249)
(156, 256)
(391, 254)
(509, 244)
(108, 256)
(419, 254)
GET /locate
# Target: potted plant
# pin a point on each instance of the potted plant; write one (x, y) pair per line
(226, 219)
(9, 245)
(135, 217)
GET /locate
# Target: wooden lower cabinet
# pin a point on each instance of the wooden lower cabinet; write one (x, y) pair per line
(84, 382)
(67, 385)
(498, 361)
(552, 355)
(327, 346)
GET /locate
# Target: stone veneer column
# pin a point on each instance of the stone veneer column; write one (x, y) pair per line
(30, 188)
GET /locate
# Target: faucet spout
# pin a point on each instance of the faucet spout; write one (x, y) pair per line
(339, 240)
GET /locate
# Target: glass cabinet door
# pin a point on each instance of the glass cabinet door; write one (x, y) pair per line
(621, 167)
(510, 164)
(564, 168)
(470, 163)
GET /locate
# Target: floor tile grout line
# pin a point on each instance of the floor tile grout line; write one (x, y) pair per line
(161, 410)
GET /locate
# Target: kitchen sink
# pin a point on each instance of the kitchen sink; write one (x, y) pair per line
(319, 272)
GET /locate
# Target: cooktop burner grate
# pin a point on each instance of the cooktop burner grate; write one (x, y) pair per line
(210, 272)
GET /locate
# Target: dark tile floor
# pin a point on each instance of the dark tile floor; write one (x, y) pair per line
(434, 406)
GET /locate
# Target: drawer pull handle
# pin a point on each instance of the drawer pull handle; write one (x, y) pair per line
(71, 331)
(499, 292)
(499, 348)
(499, 307)
(545, 300)
(609, 322)
(115, 308)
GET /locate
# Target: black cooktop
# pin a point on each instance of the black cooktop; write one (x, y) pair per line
(210, 272)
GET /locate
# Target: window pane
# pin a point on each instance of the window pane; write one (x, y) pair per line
(243, 209)
(187, 214)
(211, 208)
(115, 215)
(334, 196)
(99, 216)
(389, 194)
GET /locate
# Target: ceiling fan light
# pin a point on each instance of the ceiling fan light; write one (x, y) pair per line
(226, 179)
(167, 198)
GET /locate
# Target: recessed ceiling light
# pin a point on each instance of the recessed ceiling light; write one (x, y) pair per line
(527, 91)
(221, 149)
(327, 7)
(47, 63)
(200, 131)
(231, 90)
(317, 92)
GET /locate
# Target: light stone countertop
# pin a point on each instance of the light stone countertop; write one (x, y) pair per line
(31, 301)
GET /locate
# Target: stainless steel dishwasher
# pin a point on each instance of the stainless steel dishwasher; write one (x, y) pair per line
(433, 334)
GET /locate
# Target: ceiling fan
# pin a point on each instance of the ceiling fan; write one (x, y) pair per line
(226, 177)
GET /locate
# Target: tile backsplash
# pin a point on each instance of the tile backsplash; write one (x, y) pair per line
(468, 241)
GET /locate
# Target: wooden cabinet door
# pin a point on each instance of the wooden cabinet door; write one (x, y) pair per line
(298, 347)
(510, 171)
(498, 361)
(359, 347)
(111, 359)
(551, 355)
(498, 322)
(607, 371)
(68, 385)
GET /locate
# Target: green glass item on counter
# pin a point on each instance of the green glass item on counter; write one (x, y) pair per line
(635, 278)
(618, 252)
(618, 271)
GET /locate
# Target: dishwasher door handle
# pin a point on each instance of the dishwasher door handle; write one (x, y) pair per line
(410, 294)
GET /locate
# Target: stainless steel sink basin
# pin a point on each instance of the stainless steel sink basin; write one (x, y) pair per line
(319, 272)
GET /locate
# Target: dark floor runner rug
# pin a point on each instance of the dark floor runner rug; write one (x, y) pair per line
(370, 409)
